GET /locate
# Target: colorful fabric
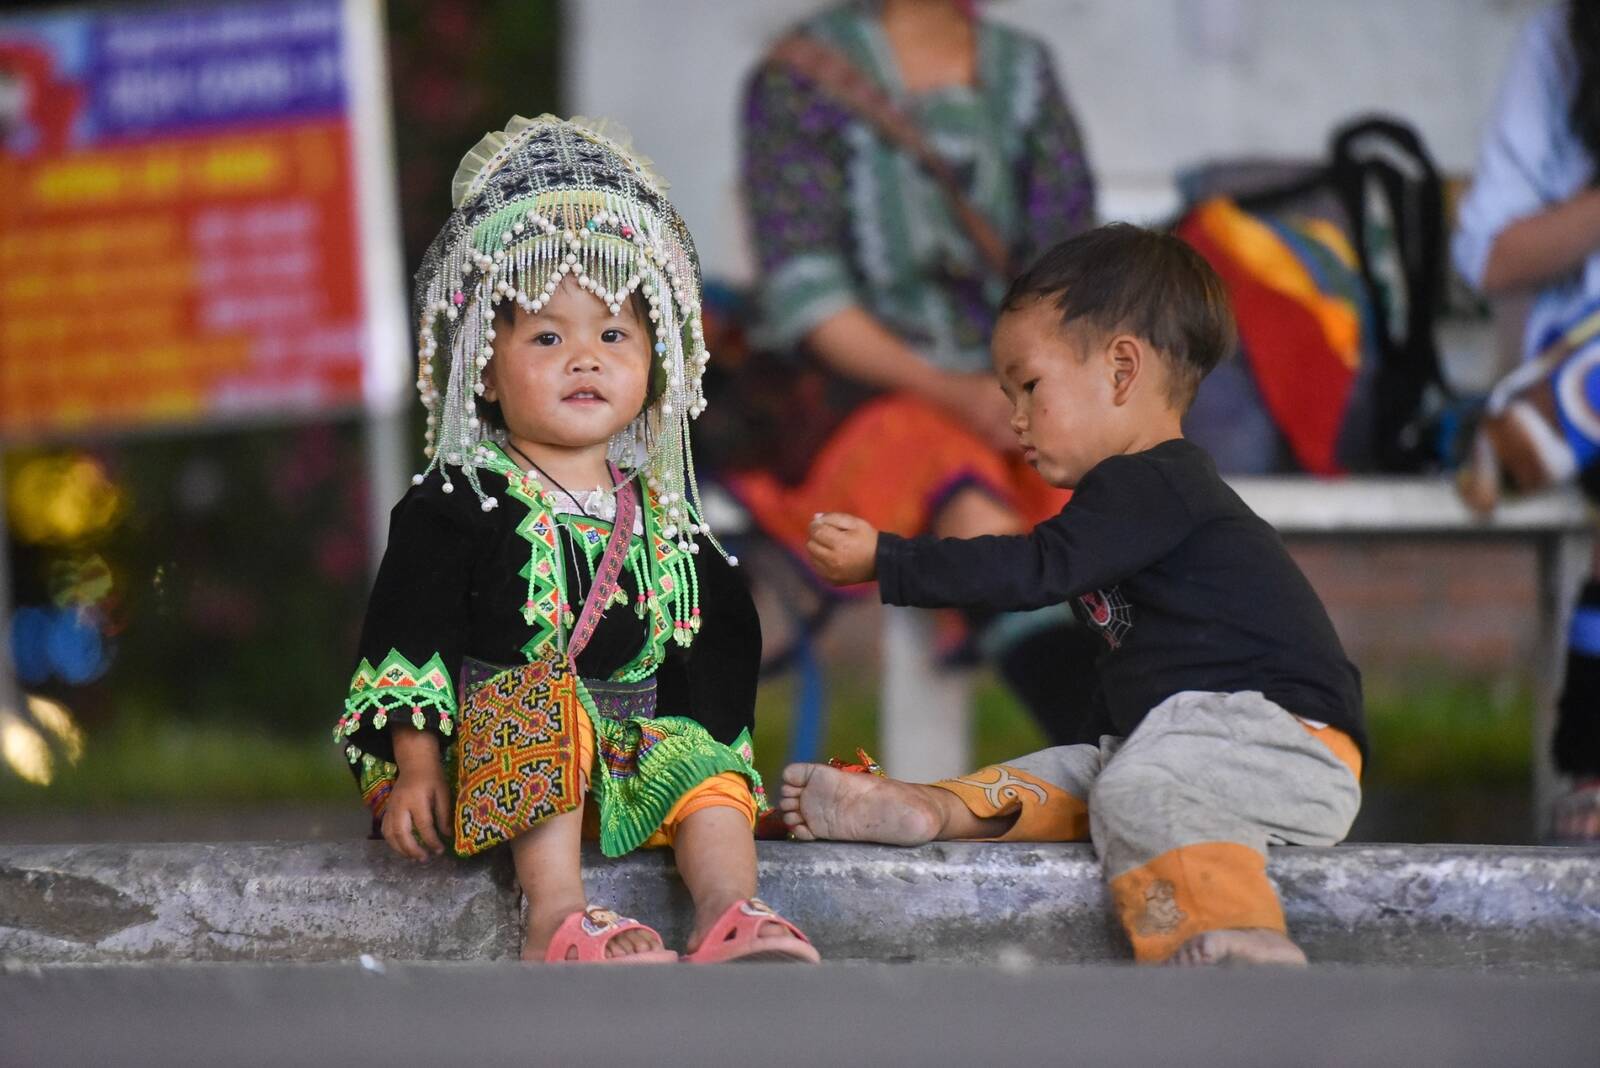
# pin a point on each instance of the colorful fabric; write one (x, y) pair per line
(517, 753)
(1302, 337)
(1181, 812)
(728, 790)
(663, 568)
(421, 696)
(644, 767)
(934, 458)
(451, 594)
(375, 778)
(1541, 424)
(533, 740)
(623, 700)
(840, 218)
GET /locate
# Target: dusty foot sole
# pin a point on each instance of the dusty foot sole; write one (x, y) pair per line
(821, 802)
(1246, 946)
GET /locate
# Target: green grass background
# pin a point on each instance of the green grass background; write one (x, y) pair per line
(1426, 730)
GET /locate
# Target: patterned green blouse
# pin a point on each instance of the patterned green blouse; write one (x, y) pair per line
(840, 218)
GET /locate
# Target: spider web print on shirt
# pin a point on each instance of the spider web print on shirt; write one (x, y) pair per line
(1109, 612)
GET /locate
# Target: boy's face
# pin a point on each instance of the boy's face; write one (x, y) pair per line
(571, 375)
(1062, 393)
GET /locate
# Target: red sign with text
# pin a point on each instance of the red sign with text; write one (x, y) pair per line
(178, 223)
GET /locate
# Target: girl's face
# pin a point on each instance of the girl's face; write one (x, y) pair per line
(571, 375)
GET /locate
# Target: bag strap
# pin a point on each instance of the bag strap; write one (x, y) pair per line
(608, 573)
(847, 84)
(1388, 157)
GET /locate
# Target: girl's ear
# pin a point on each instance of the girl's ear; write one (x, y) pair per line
(490, 393)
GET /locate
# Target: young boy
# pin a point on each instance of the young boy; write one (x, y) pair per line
(1232, 717)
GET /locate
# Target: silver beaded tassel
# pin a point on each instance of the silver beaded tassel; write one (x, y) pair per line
(542, 200)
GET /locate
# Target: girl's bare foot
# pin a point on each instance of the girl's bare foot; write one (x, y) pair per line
(542, 924)
(1244, 945)
(822, 802)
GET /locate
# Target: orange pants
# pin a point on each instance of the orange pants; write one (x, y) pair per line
(1181, 812)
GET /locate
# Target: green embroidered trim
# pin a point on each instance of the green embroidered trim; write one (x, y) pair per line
(668, 584)
(543, 610)
(671, 593)
(375, 778)
(397, 686)
(644, 766)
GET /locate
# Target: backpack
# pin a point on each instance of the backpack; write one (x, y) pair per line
(1336, 272)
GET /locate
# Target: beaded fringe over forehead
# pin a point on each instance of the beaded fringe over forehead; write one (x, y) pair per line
(544, 199)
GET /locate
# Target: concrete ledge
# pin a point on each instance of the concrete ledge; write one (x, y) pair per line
(271, 1015)
(1524, 909)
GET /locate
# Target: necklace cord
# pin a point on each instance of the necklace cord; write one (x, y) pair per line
(553, 480)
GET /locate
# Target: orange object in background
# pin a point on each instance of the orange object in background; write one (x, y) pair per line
(1303, 345)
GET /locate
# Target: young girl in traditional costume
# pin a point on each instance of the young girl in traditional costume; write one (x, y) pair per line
(556, 645)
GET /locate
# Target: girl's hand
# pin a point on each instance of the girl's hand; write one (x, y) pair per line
(843, 548)
(418, 811)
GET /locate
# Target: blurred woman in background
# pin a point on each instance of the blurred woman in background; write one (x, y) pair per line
(901, 160)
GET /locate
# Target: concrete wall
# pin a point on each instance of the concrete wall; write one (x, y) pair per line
(1525, 910)
(1159, 84)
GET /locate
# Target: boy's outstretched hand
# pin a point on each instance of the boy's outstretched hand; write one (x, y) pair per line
(843, 548)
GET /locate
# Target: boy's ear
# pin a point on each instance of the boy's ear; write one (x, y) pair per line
(1126, 361)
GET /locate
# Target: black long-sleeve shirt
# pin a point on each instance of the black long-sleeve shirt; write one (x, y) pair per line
(1190, 589)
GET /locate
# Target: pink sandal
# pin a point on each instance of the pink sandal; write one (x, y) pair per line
(736, 936)
(590, 931)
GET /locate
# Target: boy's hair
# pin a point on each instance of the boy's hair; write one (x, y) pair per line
(1154, 285)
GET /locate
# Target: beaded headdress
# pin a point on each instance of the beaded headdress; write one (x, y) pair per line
(543, 199)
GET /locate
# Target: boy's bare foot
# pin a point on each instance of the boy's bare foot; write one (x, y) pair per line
(1245, 945)
(542, 924)
(822, 802)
